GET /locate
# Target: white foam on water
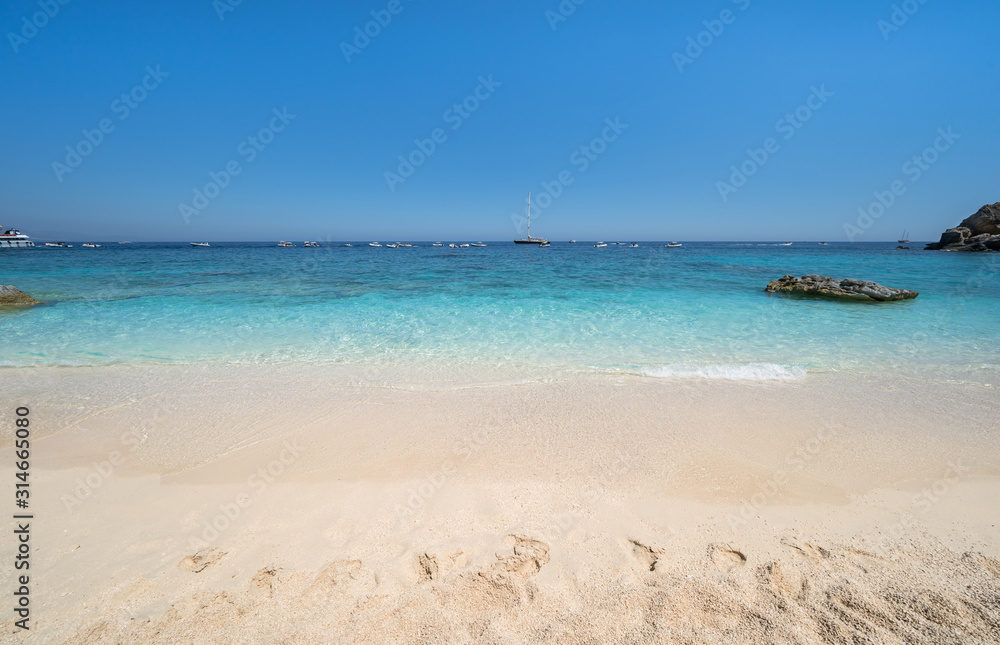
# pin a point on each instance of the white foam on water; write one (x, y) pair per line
(749, 372)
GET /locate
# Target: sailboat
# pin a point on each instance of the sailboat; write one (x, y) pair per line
(529, 239)
(906, 237)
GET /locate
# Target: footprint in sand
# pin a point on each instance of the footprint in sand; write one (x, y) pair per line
(806, 550)
(201, 560)
(647, 556)
(725, 558)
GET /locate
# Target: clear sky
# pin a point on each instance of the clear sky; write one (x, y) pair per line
(869, 96)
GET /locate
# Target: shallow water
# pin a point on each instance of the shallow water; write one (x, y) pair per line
(505, 312)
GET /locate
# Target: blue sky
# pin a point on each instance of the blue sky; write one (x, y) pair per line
(547, 88)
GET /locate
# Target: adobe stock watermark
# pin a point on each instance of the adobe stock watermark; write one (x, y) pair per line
(222, 7)
(925, 500)
(580, 159)
(901, 14)
(562, 13)
(258, 482)
(795, 460)
(714, 28)
(364, 35)
(787, 126)
(914, 169)
(32, 24)
(122, 107)
(248, 150)
(455, 116)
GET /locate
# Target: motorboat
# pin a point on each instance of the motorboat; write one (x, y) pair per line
(91, 245)
(572, 241)
(286, 245)
(202, 244)
(14, 239)
(673, 245)
(785, 244)
(479, 244)
(633, 246)
(452, 246)
(392, 246)
(600, 245)
(310, 245)
(437, 244)
(463, 246)
(375, 244)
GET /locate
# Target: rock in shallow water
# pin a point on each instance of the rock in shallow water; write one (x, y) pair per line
(14, 297)
(826, 287)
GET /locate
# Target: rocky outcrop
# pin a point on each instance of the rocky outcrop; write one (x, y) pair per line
(980, 232)
(13, 297)
(822, 286)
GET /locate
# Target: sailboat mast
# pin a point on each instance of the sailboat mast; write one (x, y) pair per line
(529, 214)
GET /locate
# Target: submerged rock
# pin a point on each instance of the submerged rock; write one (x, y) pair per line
(826, 287)
(14, 297)
(980, 232)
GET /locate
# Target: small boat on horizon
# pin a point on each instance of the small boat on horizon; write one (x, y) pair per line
(673, 245)
(572, 241)
(633, 245)
(600, 245)
(285, 244)
(310, 245)
(478, 244)
(906, 237)
(437, 244)
(202, 244)
(785, 244)
(822, 243)
(91, 245)
(375, 244)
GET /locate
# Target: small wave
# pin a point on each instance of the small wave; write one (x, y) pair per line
(750, 372)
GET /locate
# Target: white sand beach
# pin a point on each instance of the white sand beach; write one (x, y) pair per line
(260, 505)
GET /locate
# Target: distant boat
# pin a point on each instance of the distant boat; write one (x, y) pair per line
(310, 245)
(633, 246)
(453, 246)
(544, 246)
(822, 243)
(785, 244)
(479, 244)
(463, 246)
(124, 242)
(14, 239)
(529, 239)
(392, 246)
(348, 245)
(200, 244)
(600, 245)
(673, 245)
(572, 241)
(375, 244)
(91, 245)
(437, 244)
(906, 237)
(286, 245)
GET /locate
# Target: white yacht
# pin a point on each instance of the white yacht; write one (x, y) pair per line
(14, 239)
(376, 244)
(673, 245)
(203, 244)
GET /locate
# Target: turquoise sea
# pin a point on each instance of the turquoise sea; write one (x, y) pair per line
(504, 313)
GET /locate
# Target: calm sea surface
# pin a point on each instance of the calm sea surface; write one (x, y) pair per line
(504, 312)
